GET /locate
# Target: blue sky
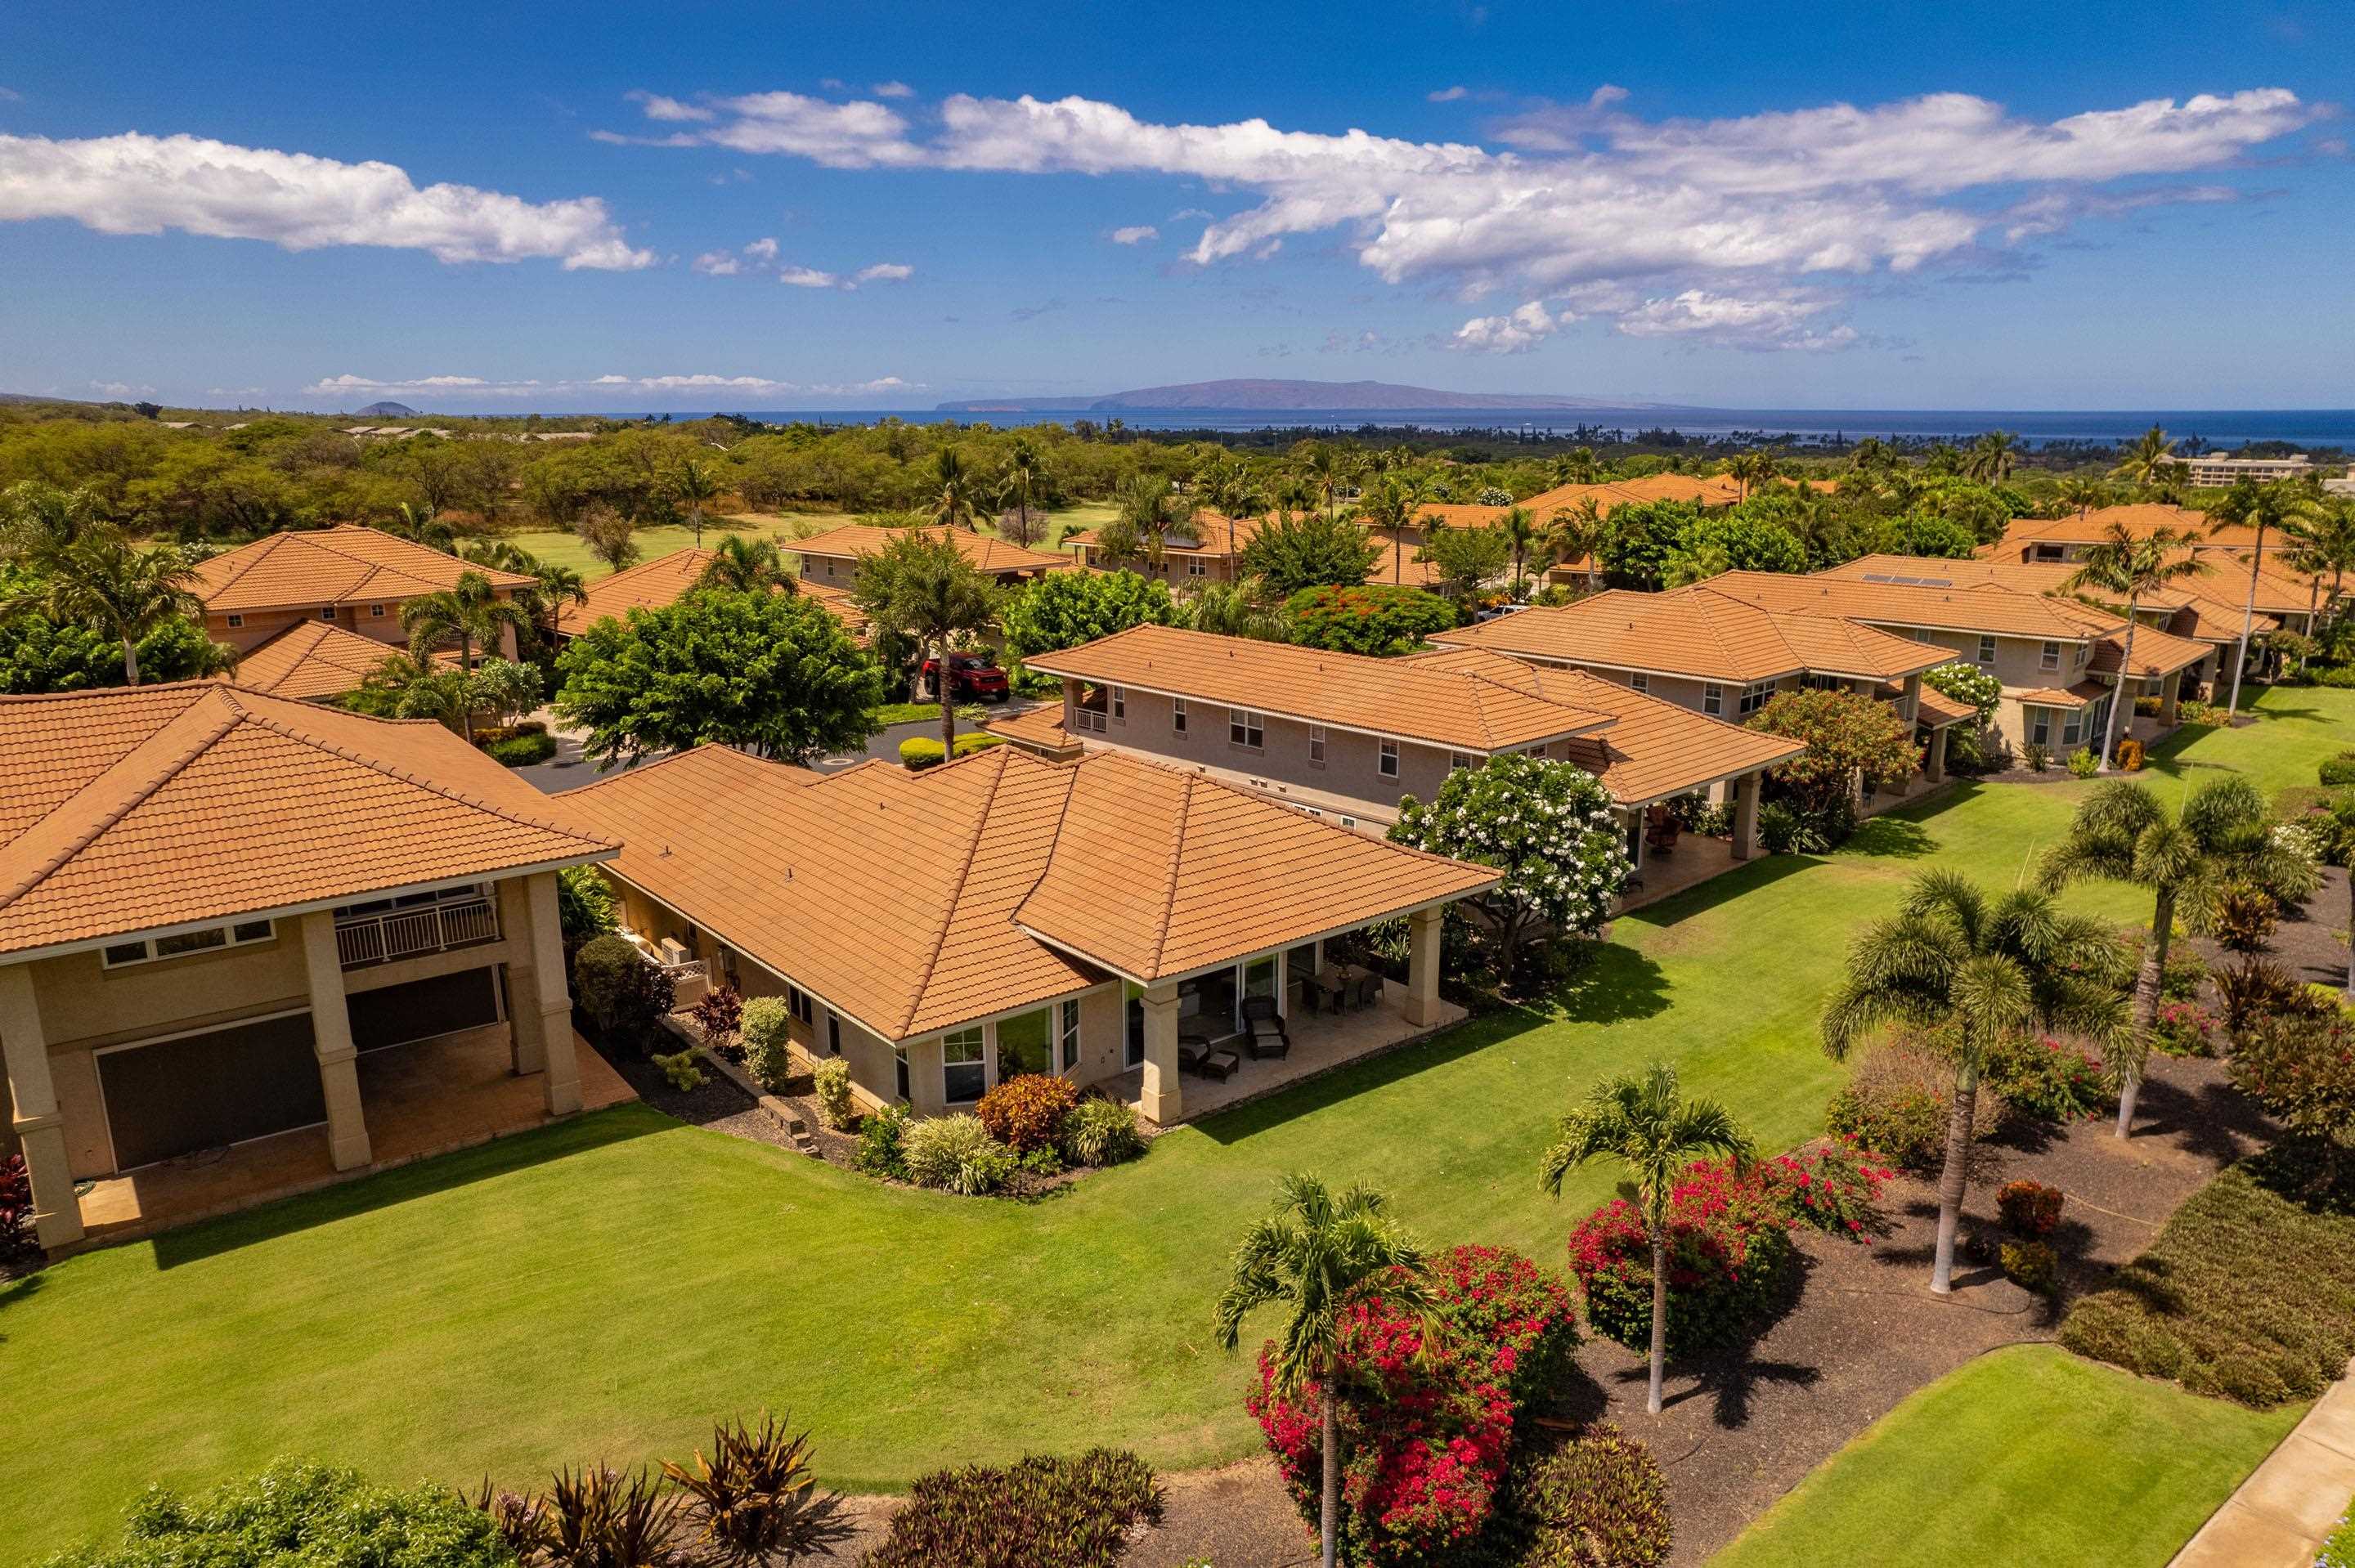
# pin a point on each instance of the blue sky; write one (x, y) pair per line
(498, 208)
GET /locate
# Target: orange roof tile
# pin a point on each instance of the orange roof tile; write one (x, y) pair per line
(1697, 631)
(310, 660)
(2156, 653)
(1979, 607)
(1347, 690)
(1937, 710)
(1042, 729)
(2084, 694)
(341, 565)
(909, 901)
(2195, 614)
(855, 541)
(154, 807)
(663, 581)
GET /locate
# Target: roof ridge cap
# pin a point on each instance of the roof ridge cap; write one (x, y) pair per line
(1169, 901)
(949, 905)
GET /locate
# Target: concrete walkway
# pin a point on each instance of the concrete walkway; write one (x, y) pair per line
(2286, 1509)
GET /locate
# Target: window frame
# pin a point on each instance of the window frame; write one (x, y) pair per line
(327, 613)
(1067, 1035)
(801, 1005)
(979, 1063)
(1119, 703)
(2049, 656)
(1315, 745)
(228, 931)
(1712, 699)
(1386, 761)
(1754, 696)
(1456, 759)
(236, 622)
(1178, 715)
(1987, 650)
(1247, 728)
(1640, 680)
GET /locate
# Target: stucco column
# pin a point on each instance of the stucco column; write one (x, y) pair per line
(1162, 1097)
(1745, 815)
(2169, 691)
(1909, 706)
(331, 1040)
(1424, 945)
(545, 990)
(32, 1111)
(1933, 762)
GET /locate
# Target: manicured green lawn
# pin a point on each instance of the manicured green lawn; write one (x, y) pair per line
(606, 1287)
(2028, 1456)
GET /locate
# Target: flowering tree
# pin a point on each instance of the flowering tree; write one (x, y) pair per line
(1547, 826)
(1848, 736)
(1381, 620)
(1966, 684)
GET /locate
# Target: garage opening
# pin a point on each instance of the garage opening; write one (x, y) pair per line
(419, 1010)
(171, 1097)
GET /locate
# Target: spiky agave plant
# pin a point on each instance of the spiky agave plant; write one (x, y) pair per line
(755, 1502)
(598, 1519)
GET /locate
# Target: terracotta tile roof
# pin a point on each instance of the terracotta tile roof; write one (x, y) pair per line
(2156, 653)
(341, 565)
(908, 900)
(1712, 490)
(1394, 697)
(157, 806)
(663, 581)
(1042, 729)
(1937, 710)
(1981, 607)
(310, 660)
(855, 541)
(2084, 694)
(1654, 747)
(2196, 615)
(1697, 631)
(1214, 534)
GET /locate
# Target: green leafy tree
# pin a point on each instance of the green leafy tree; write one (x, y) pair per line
(2123, 831)
(1654, 1132)
(1975, 973)
(1376, 619)
(2081, 493)
(38, 519)
(2264, 508)
(2322, 542)
(1321, 1254)
(610, 535)
(920, 586)
(470, 614)
(1467, 560)
(694, 486)
(1730, 542)
(503, 689)
(1847, 735)
(102, 581)
(1967, 683)
(39, 655)
(1633, 543)
(2131, 569)
(1311, 551)
(1547, 827)
(1753, 469)
(774, 675)
(585, 908)
(743, 563)
(1925, 533)
(1064, 610)
(1227, 609)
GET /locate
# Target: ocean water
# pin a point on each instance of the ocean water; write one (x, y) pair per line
(2217, 427)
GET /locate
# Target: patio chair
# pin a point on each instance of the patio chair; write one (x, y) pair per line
(1368, 987)
(1222, 1064)
(1264, 1021)
(1190, 1055)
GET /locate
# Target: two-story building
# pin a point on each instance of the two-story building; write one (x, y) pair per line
(351, 577)
(233, 922)
(659, 583)
(831, 559)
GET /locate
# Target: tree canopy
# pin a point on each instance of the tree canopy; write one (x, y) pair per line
(1847, 735)
(1310, 551)
(1064, 610)
(1377, 620)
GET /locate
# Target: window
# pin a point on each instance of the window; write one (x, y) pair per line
(1755, 696)
(1640, 680)
(1026, 1044)
(181, 943)
(963, 1073)
(376, 612)
(1120, 703)
(1815, 682)
(1070, 1034)
(1088, 711)
(1459, 759)
(1245, 727)
(798, 1003)
(1198, 568)
(235, 621)
(1178, 714)
(1987, 648)
(1389, 764)
(326, 612)
(1349, 822)
(2071, 730)
(2049, 660)
(1315, 745)
(832, 1035)
(900, 1062)
(2040, 731)
(1713, 700)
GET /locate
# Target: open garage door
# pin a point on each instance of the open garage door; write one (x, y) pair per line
(172, 1098)
(419, 1010)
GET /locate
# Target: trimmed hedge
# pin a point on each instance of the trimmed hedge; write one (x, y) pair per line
(1039, 1512)
(920, 752)
(2246, 1295)
(303, 1514)
(522, 750)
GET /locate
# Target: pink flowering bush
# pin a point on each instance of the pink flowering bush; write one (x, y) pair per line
(2184, 1029)
(1427, 1413)
(16, 1207)
(1730, 1253)
(1835, 1187)
(2048, 1081)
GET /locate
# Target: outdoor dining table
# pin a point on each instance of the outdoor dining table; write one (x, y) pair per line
(1329, 988)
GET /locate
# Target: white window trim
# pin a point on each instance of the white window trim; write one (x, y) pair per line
(1250, 721)
(981, 1036)
(1641, 681)
(1117, 702)
(1178, 715)
(235, 621)
(1459, 759)
(1712, 699)
(327, 612)
(1315, 745)
(1387, 760)
(376, 612)
(2049, 656)
(1987, 648)
(229, 938)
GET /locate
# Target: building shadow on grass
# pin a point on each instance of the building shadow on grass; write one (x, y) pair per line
(1390, 1066)
(401, 1184)
(1703, 896)
(1892, 837)
(19, 1291)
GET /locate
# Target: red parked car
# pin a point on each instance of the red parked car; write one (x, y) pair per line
(972, 678)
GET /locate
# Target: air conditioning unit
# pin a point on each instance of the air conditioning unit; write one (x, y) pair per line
(673, 951)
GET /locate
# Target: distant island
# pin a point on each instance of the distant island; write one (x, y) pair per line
(1321, 396)
(388, 411)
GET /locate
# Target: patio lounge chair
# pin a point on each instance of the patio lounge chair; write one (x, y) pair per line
(1190, 1053)
(1368, 991)
(1264, 1021)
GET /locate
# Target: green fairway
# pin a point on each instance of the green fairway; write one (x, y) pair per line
(606, 1287)
(2028, 1457)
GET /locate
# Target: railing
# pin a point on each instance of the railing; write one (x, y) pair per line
(381, 938)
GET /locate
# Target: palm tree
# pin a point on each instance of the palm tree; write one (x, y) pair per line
(2128, 567)
(1521, 533)
(1396, 505)
(1574, 533)
(1942, 458)
(557, 583)
(921, 587)
(2261, 507)
(2123, 833)
(472, 612)
(38, 519)
(2082, 492)
(1752, 468)
(1978, 972)
(102, 580)
(1294, 494)
(1577, 466)
(1655, 1132)
(1324, 474)
(1148, 506)
(743, 563)
(1870, 455)
(693, 484)
(2150, 458)
(951, 503)
(1992, 457)
(421, 525)
(1025, 470)
(1323, 1255)
(2323, 540)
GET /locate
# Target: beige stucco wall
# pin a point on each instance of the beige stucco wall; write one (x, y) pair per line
(259, 626)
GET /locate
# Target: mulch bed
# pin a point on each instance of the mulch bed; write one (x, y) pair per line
(717, 1106)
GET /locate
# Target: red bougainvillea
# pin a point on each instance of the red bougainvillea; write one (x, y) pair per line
(1835, 1187)
(1729, 1253)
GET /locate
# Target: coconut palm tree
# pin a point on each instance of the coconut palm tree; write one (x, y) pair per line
(1655, 1132)
(951, 501)
(2083, 492)
(2123, 833)
(743, 563)
(921, 587)
(1752, 468)
(1870, 455)
(2262, 507)
(1322, 1255)
(421, 525)
(1326, 474)
(2323, 540)
(692, 484)
(102, 580)
(2127, 567)
(2150, 458)
(1577, 466)
(1992, 457)
(557, 583)
(471, 612)
(1395, 505)
(38, 519)
(1573, 534)
(1527, 540)
(1975, 972)
(1025, 470)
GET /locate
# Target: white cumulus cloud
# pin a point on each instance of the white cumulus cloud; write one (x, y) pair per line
(806, 278)
(881, 272)
(1515, 333)
(1135, 234)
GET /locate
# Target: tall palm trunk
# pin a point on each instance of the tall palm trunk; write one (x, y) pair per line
(1955, 1177)
(2248, 618)
(1328, 1508)
(1659, 1315)
(2148, 983)
(130, 662)
(2125, 693)
(948, 702)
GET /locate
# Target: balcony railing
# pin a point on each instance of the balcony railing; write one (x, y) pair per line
(365, 940)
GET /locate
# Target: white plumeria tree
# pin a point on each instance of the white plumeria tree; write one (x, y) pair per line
(1547, 826)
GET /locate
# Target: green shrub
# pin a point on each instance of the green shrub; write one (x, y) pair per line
(920, 752)
(302, 1515)
(2339, 1551)
(2337, 770)
(680, 1068)
(1778, 827)
(1896, 1104)
(2030, 1265)
(1026, 1111)
(2083, 764)
(2340, 676)
(2181, 977)
(585, 908)
(626, 995)
(1039, 1512)
(2045, 1080)
(766, 1027)
(2246, 1295)
(881, 1144)
(522, 750)
(955, 1154)
(1099, 1131)
(2029, 1209)
(2039, 755)
(1597, 1501)
(836, 1105)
